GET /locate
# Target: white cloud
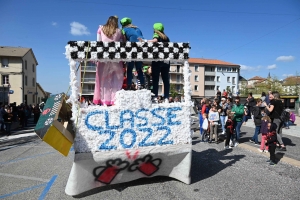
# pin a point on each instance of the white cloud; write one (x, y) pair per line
(249, 68)
(79, 29)
(54, 23)
(287, 75)
(272, 67)
(285, 58)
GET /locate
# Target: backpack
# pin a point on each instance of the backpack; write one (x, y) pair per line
(285, 115)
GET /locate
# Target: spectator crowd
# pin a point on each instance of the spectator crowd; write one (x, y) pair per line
(224, 116)
(13, 114)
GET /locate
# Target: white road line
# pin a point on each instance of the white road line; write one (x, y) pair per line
(24, 177)
(16, 136)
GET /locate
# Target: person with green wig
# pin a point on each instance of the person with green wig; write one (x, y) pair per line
(132, 33)
(160, 67)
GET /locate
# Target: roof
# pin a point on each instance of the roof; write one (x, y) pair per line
(256, 78)
(291, 80)
(242, 78)
(15, 52)
(211, 62)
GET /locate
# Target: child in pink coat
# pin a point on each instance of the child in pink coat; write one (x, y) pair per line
(265, 120)
(109, 76)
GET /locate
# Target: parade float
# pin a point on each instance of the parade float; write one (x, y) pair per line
(130, 140)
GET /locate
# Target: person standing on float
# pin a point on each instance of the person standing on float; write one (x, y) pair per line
(160, 67)
(132, 33)
(109, 75)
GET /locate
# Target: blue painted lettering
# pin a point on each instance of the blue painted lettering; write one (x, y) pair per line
(133, 138)
(114, 127)
(143, 142)
(158, 116)
(104, 145)
(141, 117)
(168, 131)
(87, 123)
(130, 119)
(170, 116)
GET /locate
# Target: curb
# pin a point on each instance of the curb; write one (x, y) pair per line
(287, 160)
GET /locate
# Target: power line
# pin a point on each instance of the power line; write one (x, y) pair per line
(258, 38)
(188, 9)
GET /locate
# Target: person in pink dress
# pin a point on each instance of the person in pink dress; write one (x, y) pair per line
(109, 76)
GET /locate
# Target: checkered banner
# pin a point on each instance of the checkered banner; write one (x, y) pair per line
(127, 51)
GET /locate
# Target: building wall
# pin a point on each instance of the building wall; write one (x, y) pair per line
(227, 78)
(197, 85)
(15, 81)
(30, 88)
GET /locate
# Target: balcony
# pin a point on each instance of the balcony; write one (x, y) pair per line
(176, 71)
(89, 68)
(209, 93)
(209, 73)
(87, 92)
(88, 80)
(209, 83)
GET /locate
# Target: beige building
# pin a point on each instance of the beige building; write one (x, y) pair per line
(42, 95)
(18, 75)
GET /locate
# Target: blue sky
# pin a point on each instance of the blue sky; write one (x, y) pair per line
(261, 36)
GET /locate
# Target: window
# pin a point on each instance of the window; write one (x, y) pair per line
(219, 69)
(209, 78)
(33, 82)
(218, 87)
(233, 89)
(4, 62)
(25, 64)
(233, 80)
(224, 69)
(234, 69)
(33, 98)
(196, 78)
(178, 78)
(209, 69)
(228, 79)
(218, 78)
(196, 68)
(26, 80)
(178, 69)
(196, 87)
(229, 69)
(32, 67)
(209, 87)
(177, 88)
(5, 79)
(91, 87)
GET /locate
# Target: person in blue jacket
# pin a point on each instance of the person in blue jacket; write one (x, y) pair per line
(132, 33)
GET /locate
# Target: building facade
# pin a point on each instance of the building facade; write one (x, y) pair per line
(207, 76)
(210, 75)
(18, 75)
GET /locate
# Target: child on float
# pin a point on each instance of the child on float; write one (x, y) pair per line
(229, 127)
(265, 120)
(132, 33)
(109, 75)
(160, 67)
(204, 127)
(271, 142)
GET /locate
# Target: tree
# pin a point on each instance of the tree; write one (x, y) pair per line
(174, 93)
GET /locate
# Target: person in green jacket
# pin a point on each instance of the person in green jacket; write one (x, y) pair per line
(238, 110)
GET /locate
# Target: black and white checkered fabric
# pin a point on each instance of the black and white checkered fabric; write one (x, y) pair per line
(127, 51)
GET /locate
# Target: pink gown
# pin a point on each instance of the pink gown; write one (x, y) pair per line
(109, 76)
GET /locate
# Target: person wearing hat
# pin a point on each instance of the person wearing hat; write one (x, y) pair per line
(132, 33)
(109, 75)
(160, 67)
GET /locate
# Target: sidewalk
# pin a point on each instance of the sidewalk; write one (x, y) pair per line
(293, 131)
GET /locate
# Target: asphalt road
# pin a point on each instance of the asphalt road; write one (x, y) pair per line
(33, 170)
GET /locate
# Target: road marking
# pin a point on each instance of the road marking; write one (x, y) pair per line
(20, 159)
(287, 160)
(16, 136)
(21, 191)
(48, 187)
(24, 177)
